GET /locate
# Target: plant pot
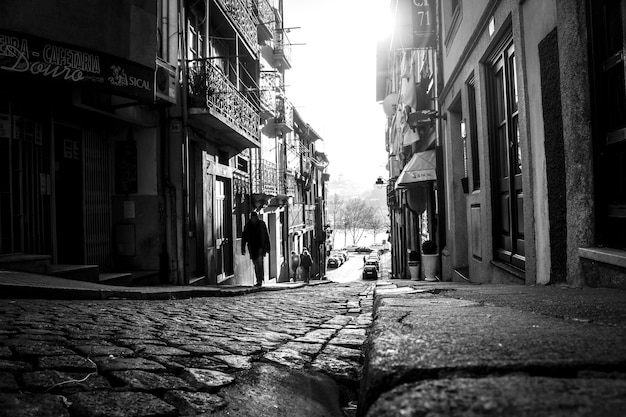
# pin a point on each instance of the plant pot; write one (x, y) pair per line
(414, 270)
(429, 265)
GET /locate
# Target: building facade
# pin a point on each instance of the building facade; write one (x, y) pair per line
(135, 151)
(530, 146)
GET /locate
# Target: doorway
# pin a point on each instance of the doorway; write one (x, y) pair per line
(508, 195)
(223, 229)
(68, 186)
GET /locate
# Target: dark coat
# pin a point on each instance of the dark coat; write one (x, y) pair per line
(257, 238)
(305, 260)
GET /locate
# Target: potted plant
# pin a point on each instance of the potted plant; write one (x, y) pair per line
(430, 259)
(414, 265)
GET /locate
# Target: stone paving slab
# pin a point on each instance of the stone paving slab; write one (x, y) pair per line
(423, 338)
(512, 396)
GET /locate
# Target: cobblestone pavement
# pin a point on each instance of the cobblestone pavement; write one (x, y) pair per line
(173, 358)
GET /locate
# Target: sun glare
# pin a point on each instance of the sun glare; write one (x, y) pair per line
(383, 18)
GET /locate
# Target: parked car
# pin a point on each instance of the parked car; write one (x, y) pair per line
(373, 259)
(333, 262)
(351, 248)
(343, 256)
(364, 249)
(370, 270)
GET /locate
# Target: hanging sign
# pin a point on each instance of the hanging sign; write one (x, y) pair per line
(46, 59)
(424, 22)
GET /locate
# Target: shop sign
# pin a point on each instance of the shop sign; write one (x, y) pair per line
(45, 59)
(424, 22)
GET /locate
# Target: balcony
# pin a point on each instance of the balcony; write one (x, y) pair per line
(215, 103)
(265, 178)
(282, 50)
(290, 183)
(309, 215)
(268, 83)
(267, 20)
(284, 115)
(240, 15)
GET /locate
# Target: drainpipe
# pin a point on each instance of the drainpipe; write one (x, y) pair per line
(441, 186)
(184, 280)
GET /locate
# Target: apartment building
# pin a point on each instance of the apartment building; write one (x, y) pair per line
(138, 135)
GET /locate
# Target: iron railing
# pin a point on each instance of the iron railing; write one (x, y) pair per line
(268, 82)
(209, 87)
(265, 177)
(284, 112)
(265, 14)
(240, 12)
(282, 46)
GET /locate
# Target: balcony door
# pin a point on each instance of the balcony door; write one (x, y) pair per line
(508, 195)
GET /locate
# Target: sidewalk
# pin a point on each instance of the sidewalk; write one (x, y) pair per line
(27, 285)
(454, 349)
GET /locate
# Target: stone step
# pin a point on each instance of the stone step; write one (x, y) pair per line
(116, 278)
(25, 262)
(89, 273)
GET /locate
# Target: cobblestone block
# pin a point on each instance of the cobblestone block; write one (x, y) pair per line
(160, 350)
(62, 383)
(317, 336)
(41, 349)
(310, 349)
(108, 364)
(29, 405)
(119, 404)
(192, 403)
(349, 341)
(104, 350)
(204, 349)
(206, 379)
(288, 357)
(148, 381)
(343, 353)
(236, 361)
(177, 363)
(14, 366)
(7, 382)
(341, 370)
(5, 352)
(68, 363)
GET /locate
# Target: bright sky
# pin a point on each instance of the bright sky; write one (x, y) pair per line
(332, 82)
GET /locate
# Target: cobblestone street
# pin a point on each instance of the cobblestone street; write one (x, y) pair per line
(293, 352)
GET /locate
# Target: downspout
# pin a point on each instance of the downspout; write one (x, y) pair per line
(184, 280)
(169, 246)
(441, 201)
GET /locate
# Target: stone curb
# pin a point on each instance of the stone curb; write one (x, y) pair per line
(8, 291)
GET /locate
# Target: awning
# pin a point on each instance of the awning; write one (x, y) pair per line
(421, 167)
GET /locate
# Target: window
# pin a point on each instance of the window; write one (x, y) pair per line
(451, 19)
(473, 133)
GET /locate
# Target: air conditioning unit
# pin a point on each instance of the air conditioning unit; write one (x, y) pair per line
(164, 82)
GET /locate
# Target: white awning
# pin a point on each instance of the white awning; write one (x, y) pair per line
(421, 167)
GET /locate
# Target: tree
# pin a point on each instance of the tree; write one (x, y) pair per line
(335, 207)
(377, 222)
(357, 214)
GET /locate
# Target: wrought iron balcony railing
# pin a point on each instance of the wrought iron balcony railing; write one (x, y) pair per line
(266, 15)
(241, 14)
(210, 88)
(265, 177)
(284, 114)
(282, 49)
(268, 83)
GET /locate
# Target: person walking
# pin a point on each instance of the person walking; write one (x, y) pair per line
(305, 263)
(255, 234)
